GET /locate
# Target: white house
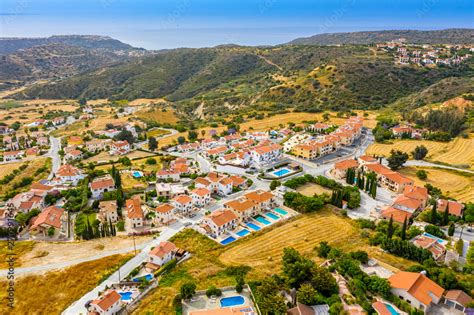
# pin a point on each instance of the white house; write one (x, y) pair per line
(220, 221)
(160, 255)
(108, 303)
(108, 211)
(266, 154)
(165, 175)
(135, 214)
(225, 186)
(101, 185)
(182, 203)
(73, 155)
(119, 147)
(164, 213)
(201, 196)
(12, 156)
(69, 174)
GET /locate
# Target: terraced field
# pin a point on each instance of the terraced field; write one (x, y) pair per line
(453, 184)
(457, 152)
(264, 252)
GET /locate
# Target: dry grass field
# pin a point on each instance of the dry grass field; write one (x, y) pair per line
(310, 189)
(29, 171)
(20, 249)
(457, 152)
(105, 156)
(6, 169)
(28, 111)
(453, 184)
(158, 115)
(53, 292)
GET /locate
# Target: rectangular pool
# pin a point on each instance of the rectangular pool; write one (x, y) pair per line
(272, 216)
(253, 226)
(262, 220)
(281, 211)
(228, 240)
(243, 232)
(281, 172)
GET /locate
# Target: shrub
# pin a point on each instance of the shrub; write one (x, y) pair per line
(421, 174)
(212, 290)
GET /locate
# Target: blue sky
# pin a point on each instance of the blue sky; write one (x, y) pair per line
(196, 23)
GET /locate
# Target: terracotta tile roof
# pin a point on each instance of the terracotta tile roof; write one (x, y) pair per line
(237, 180)
(398, 215)
(50, 216)
(267, 148)
(240, 205)
(102, 182)
(459, 296)
(454, 208)
(202, 181)
(107, 299)
(407, 202)
(226, 181)
(164, 208)
(67, 170)
(134, 208)
(418, 285)
(109, 206)
(381, 308)
(367, 158)
(259, 196)
(181, 168)
(221, 217)
(346, 164)
(163, 249)
(398, 178)
(416, 192)
(167, 172)
(39, 186)
(183, 199)
(201, 192)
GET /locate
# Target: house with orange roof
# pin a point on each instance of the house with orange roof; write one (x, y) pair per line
(100, 185)
(266, 154)
(431, 244)
(238, 181)
(340, 168)
(69, 175)
(202, 182)
(220, 221)
(454, 208)
(200, 196)
(74, 140)
(182, 203)
(73, 155)
(166, 175)
(396, 214)
(216, 152)
(407, 204)
(135, 215)
(243, 208)
(41, 189)
(121, 147)
(27, 201)
(109, 303)
(387, 178)
(51, 222)
(365, 159)
(96, 145)
(416, 289)
(418, 193)
(164, 213)
(13, 156)
(457, 299)
(263, 199)
(160, 255)
(32, 151)
(224, 186)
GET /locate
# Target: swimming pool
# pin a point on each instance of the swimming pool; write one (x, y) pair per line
(262, 220)
(391, 309)
(228, 240)
(232, 301)
(439, 240)
(137, 174)
(272, 216)
(126, 296)
(281, 211)
(253, 226)
(147, 277)
(281, 172)
(243, 232)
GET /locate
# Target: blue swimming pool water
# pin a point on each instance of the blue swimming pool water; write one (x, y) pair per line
(281, 211)
(262, 220)
(126, 296)
(281, 172)
(228, 240)
(243, 232)
(137, 174)
(272, 216)
(232, 301)
(433, 237)
(253, 226)
(148, 277)
(391, 309)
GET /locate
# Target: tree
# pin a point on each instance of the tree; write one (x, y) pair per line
(82, 101)
(181, 140)
(390, 227)
(420, 152)
(323, 249)
(323, 281)
(51, 231)
(446, 216)
(192, 135)
(421, 174)
(274, 184)
(397, 159)
(187, 290)
(150, 161)
(451, 229)
(295, 268)
(212, 290)
(152, 144)
(306, 294)
(459, 246)
(434, 214)
(404, 229)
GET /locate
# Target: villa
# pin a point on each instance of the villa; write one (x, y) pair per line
(266, 154)
(170, 190)
(73, 155)
(119, 147)
(160, 255)
(262, 199)
(242, 208)
(51, 222)
(454, 208)
(387, 178)
(108, 211)
(135, 214)
(182, 203)
(430, 243)
(165, 175)
(164, 213)
(27, 201)
(109, 303)
(101, 185)
(219, 222)
(68, 174)
(97, 145)
(201, 196)
(340, 168)
(12, 156)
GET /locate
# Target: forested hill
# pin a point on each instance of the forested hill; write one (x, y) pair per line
(447, 36)
(304, 77)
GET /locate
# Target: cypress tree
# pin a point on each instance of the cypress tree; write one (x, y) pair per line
(446, 214)
(433, 216)
(404, 229)
(390, 227)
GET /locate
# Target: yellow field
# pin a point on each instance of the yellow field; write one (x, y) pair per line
(6, 169)
(158, 115)
(105, 156)
(28, 172)
(264, 252)
(451, 183)
(32, 110)
(53, 292)
(457, 152)
(310, 189)
(20, 249)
